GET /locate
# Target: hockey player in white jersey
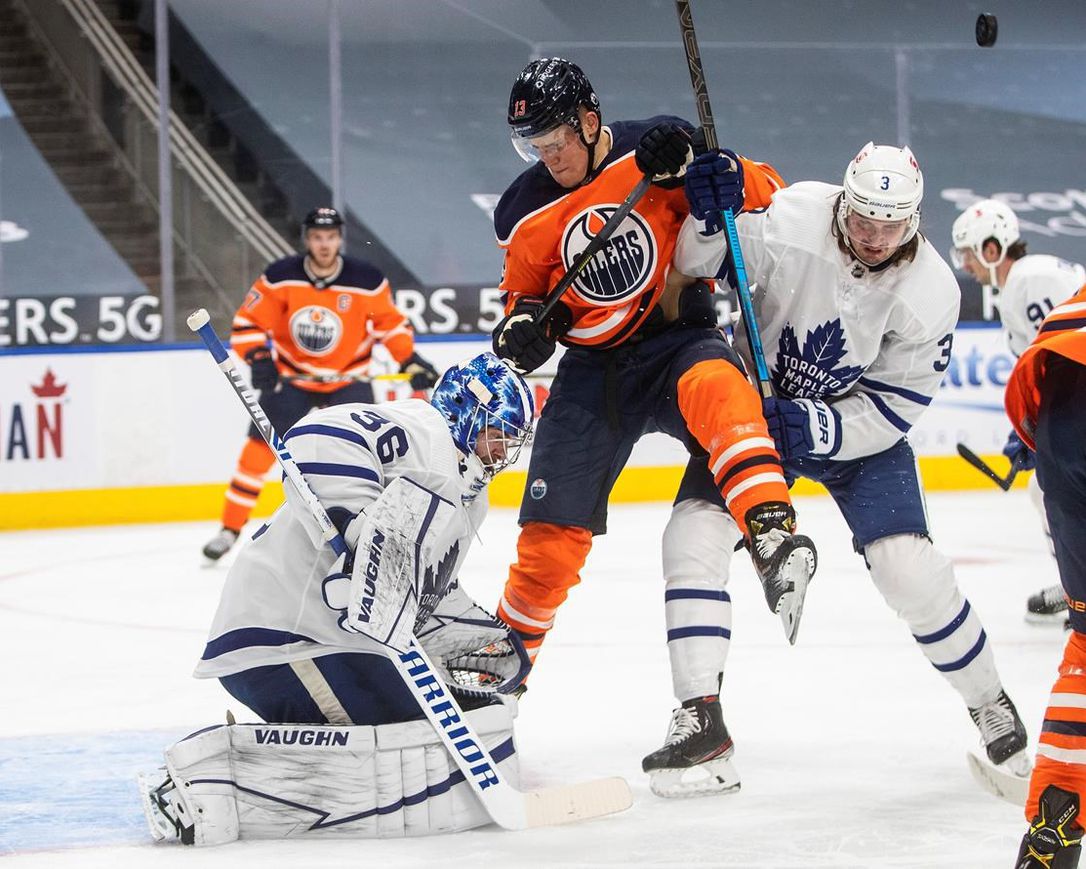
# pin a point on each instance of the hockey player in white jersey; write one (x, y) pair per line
(987, 243)
(346, 749)
(857, 313)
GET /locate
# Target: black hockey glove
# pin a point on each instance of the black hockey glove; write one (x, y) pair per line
(714, 183)
(524, 341)
(262, 371)
(423, 375)
(663, 151)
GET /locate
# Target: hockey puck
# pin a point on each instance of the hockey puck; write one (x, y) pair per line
(987, 30)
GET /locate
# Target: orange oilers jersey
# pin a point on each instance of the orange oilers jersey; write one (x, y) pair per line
(1064, 332)
(543, 227)
(321, 326)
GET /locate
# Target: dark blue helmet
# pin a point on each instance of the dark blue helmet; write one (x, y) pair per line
(548, 93)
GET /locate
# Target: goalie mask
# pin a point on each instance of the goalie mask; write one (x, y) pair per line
(488, 408)
(984, 220)
(880, 209)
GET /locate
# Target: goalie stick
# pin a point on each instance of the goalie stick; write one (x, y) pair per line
(507, 806)
(977, 462)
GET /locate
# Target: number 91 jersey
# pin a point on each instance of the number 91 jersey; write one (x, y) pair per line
(543, 228)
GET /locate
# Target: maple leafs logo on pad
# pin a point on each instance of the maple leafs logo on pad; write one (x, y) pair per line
(815, 371)
(436, 582)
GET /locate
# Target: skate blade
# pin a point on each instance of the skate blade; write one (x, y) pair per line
(717, 776)
(157, 823)
(799, 567)
(999, 782)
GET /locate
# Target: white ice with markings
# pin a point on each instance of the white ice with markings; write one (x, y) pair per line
(850, 746)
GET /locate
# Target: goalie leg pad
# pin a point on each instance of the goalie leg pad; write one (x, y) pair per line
(697, 548)
(272, 781)
(918, 582)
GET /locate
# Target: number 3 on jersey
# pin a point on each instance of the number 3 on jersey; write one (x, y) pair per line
(946, 342)
(391, 443)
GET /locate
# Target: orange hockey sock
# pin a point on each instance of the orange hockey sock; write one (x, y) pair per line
(723, 411)
(549, 560)
(1061, 746)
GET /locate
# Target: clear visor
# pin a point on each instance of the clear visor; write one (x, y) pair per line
(874, 241)
(499, 444)
(544, 146)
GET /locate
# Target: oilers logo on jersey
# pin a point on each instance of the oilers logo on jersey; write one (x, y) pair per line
(625, 265)
(814, 371)
(316, 329)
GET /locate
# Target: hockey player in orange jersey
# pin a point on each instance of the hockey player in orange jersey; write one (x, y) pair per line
(644, 354)
(307, 329)
(1046, 403)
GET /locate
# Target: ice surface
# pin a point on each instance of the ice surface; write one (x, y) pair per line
(851, 747)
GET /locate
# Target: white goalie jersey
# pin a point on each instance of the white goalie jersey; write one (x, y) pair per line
(286, 597)
(873, 343)
(1035, 285)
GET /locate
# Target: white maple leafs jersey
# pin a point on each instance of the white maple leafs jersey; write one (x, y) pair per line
(872, 343)
(285, 597)
(1035, 285)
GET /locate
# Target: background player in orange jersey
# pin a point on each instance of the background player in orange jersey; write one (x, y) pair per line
(321, 313)
(644, 354)
(1046, 403)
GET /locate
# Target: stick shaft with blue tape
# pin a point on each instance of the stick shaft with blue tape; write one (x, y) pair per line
(735, 253)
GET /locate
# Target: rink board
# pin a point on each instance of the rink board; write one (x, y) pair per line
(152, 434)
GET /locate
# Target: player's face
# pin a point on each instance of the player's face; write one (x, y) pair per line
(967, 261)
(323, 246)
(874, 241)
(563, 153)
(491, 447)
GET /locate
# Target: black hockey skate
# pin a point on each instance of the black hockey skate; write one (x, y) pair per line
(220, 544)
(1048, 606)
(1054, 837)
(785, 561)
(1003, 735)
(696, 757)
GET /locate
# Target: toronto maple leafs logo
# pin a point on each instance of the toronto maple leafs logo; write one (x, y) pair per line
(436, 583)
(815, 371)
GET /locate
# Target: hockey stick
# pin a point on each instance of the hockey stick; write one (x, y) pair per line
(734, 253)
(508, 807)
(345, 378)
(977, 462)
(594, 247)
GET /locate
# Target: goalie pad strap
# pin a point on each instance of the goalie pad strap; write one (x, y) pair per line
(271, 781)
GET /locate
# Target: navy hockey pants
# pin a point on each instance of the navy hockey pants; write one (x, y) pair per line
(1061, 472)
(365, 686)
(879, 495)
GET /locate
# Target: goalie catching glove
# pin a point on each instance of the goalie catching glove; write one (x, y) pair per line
(475, 654)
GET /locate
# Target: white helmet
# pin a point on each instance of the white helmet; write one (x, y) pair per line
(981, 221)
(883, 182)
